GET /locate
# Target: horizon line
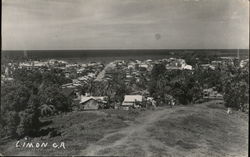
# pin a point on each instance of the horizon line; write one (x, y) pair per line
(124, 49)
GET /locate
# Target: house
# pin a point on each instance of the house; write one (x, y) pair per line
(207, 66)
(131, 101)
(149, 60)
(244, 63)
(72, 65)
(216, 63)
(211, 93)
(142, 65)
(188, 67)
(227, 60)
(27, 65)
(91, 103)
(39, 64)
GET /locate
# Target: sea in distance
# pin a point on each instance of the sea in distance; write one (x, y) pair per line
(106, 56)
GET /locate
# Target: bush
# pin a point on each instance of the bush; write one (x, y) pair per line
(29, 123)
(11, 123)
(236, 90)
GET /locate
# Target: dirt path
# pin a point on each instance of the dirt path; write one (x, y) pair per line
(135, 135)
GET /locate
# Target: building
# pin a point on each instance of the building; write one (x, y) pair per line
(227, 60)
(91, 103)
(143, 65)
(176, 64)
(39, 64)
(216, 63)
(244, 63)
(210, 93)
(207, 66)
(132, 101)
(188, 67)
(27, 65)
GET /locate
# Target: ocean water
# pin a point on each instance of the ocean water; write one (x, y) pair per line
(105, 56)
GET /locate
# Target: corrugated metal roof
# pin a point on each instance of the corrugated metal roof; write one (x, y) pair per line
(87, 98)
(132, 98)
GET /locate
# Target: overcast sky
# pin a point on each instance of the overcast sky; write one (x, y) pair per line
(124, 24)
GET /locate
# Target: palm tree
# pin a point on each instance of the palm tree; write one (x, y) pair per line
(46, 109)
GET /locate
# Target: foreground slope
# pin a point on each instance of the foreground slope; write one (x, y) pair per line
(197, 130)
(194, 130)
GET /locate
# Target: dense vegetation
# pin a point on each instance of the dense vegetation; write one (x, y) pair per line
(186, 87)
(33, 94)
(182, 85)
(236, 88)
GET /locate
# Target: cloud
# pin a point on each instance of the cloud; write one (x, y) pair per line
(91, 24)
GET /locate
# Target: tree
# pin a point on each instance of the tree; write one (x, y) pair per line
(21, 99)
(157, 81)
(157, 70)
(181, 84)
(14, 96)
(236, 80)
(51, 95)
(29, 118)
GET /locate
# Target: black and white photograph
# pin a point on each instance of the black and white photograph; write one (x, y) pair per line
(125, 78)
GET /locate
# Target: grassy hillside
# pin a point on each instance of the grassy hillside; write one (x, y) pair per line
(76, 129)
(203, 131)
(195, 130)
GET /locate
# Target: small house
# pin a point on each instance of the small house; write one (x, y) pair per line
(91, 103)
(210, 93)
(207, 66)
(132, 101)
